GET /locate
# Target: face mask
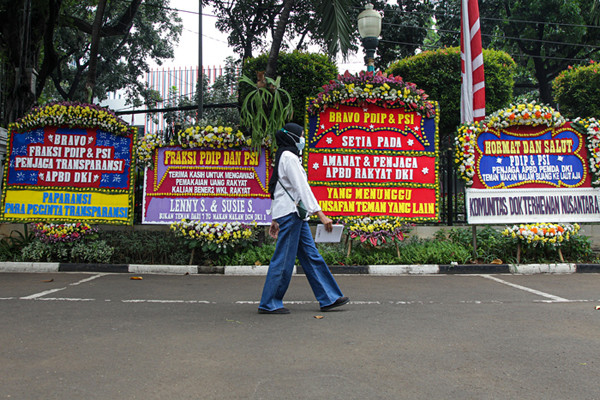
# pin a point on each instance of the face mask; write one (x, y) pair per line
(301, 142)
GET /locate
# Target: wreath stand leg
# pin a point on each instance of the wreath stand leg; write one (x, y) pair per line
(349, 248)
(397, 248)
(192, 256)
(560, 255)
(518, 253)
(474, 238)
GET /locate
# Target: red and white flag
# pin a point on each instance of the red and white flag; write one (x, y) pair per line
(472, 105)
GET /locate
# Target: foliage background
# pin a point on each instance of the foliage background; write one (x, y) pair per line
(577, 91)
(438, 73)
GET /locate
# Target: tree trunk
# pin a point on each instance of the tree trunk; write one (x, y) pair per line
(278, 38)
(543, 81)
(51, 60)
(95, 44)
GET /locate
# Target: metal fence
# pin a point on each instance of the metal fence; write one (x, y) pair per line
(452, 191)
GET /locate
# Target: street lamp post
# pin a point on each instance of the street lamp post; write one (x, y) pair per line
(369, 27)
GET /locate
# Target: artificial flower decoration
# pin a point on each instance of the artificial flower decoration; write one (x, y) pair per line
(53, 233)
(146, 146)
(465, 142)
(214, 236)
(217, 137)
(71, 115)
(525, 114)
(542, 233)
(369, 88)
(375, 231)
(590, 128)
(530, 114)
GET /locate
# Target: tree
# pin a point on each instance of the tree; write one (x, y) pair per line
(51, 40)
(405, 26)
(223, 90)
(438, 73)
(545, 36)
(95, 42)
(133, 33)
(324, 22)
(247, 22)
(26, 27)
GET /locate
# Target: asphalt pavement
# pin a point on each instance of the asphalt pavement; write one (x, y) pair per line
(439, 336)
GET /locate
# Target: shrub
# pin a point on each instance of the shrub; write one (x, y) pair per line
(11, 247)
(419, 251)
(259, 255)
(577, 91)
(162, 247)
(68, 242)
(74, 252)
(491, 245)
(148, 247)
(44, 252)
(97, 251)
(579, 249)
(438, 73)
(412, 251)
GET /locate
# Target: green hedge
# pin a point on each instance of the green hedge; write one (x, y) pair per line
(302, 75)
(577, 91)
(161, 247)
(438, 73)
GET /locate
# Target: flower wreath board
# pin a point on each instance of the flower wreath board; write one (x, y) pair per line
(526, 163)
(69, 162)
(207, 174)
(373, 149)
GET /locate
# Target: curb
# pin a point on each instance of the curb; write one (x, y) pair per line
(250, 270)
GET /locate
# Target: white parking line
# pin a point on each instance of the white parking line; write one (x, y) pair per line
(62, 299)
(40, 294)
(91, 278)
(169, 301)
(46, 292)
(526, 289)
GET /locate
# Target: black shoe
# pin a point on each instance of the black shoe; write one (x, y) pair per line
(281, 310)
(339, 302)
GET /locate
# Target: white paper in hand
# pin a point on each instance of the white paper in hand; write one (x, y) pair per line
(322, 236)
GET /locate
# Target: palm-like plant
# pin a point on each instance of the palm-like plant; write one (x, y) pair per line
(265, 109)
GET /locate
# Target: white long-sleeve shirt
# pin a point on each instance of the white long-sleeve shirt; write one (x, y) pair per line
(293, 177)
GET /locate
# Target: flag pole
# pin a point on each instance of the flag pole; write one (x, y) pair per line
(472, 102)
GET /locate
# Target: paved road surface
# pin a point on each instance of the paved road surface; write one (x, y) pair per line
(105, 336)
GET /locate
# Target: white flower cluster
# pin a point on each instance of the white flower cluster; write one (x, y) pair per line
(217, 137)
(146, 146)
(525, 114)
(542, 233)
(71, 115)
(592, 127)
(222, 234)
(465, 143)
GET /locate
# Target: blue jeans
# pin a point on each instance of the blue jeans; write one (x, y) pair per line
(295, 240)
